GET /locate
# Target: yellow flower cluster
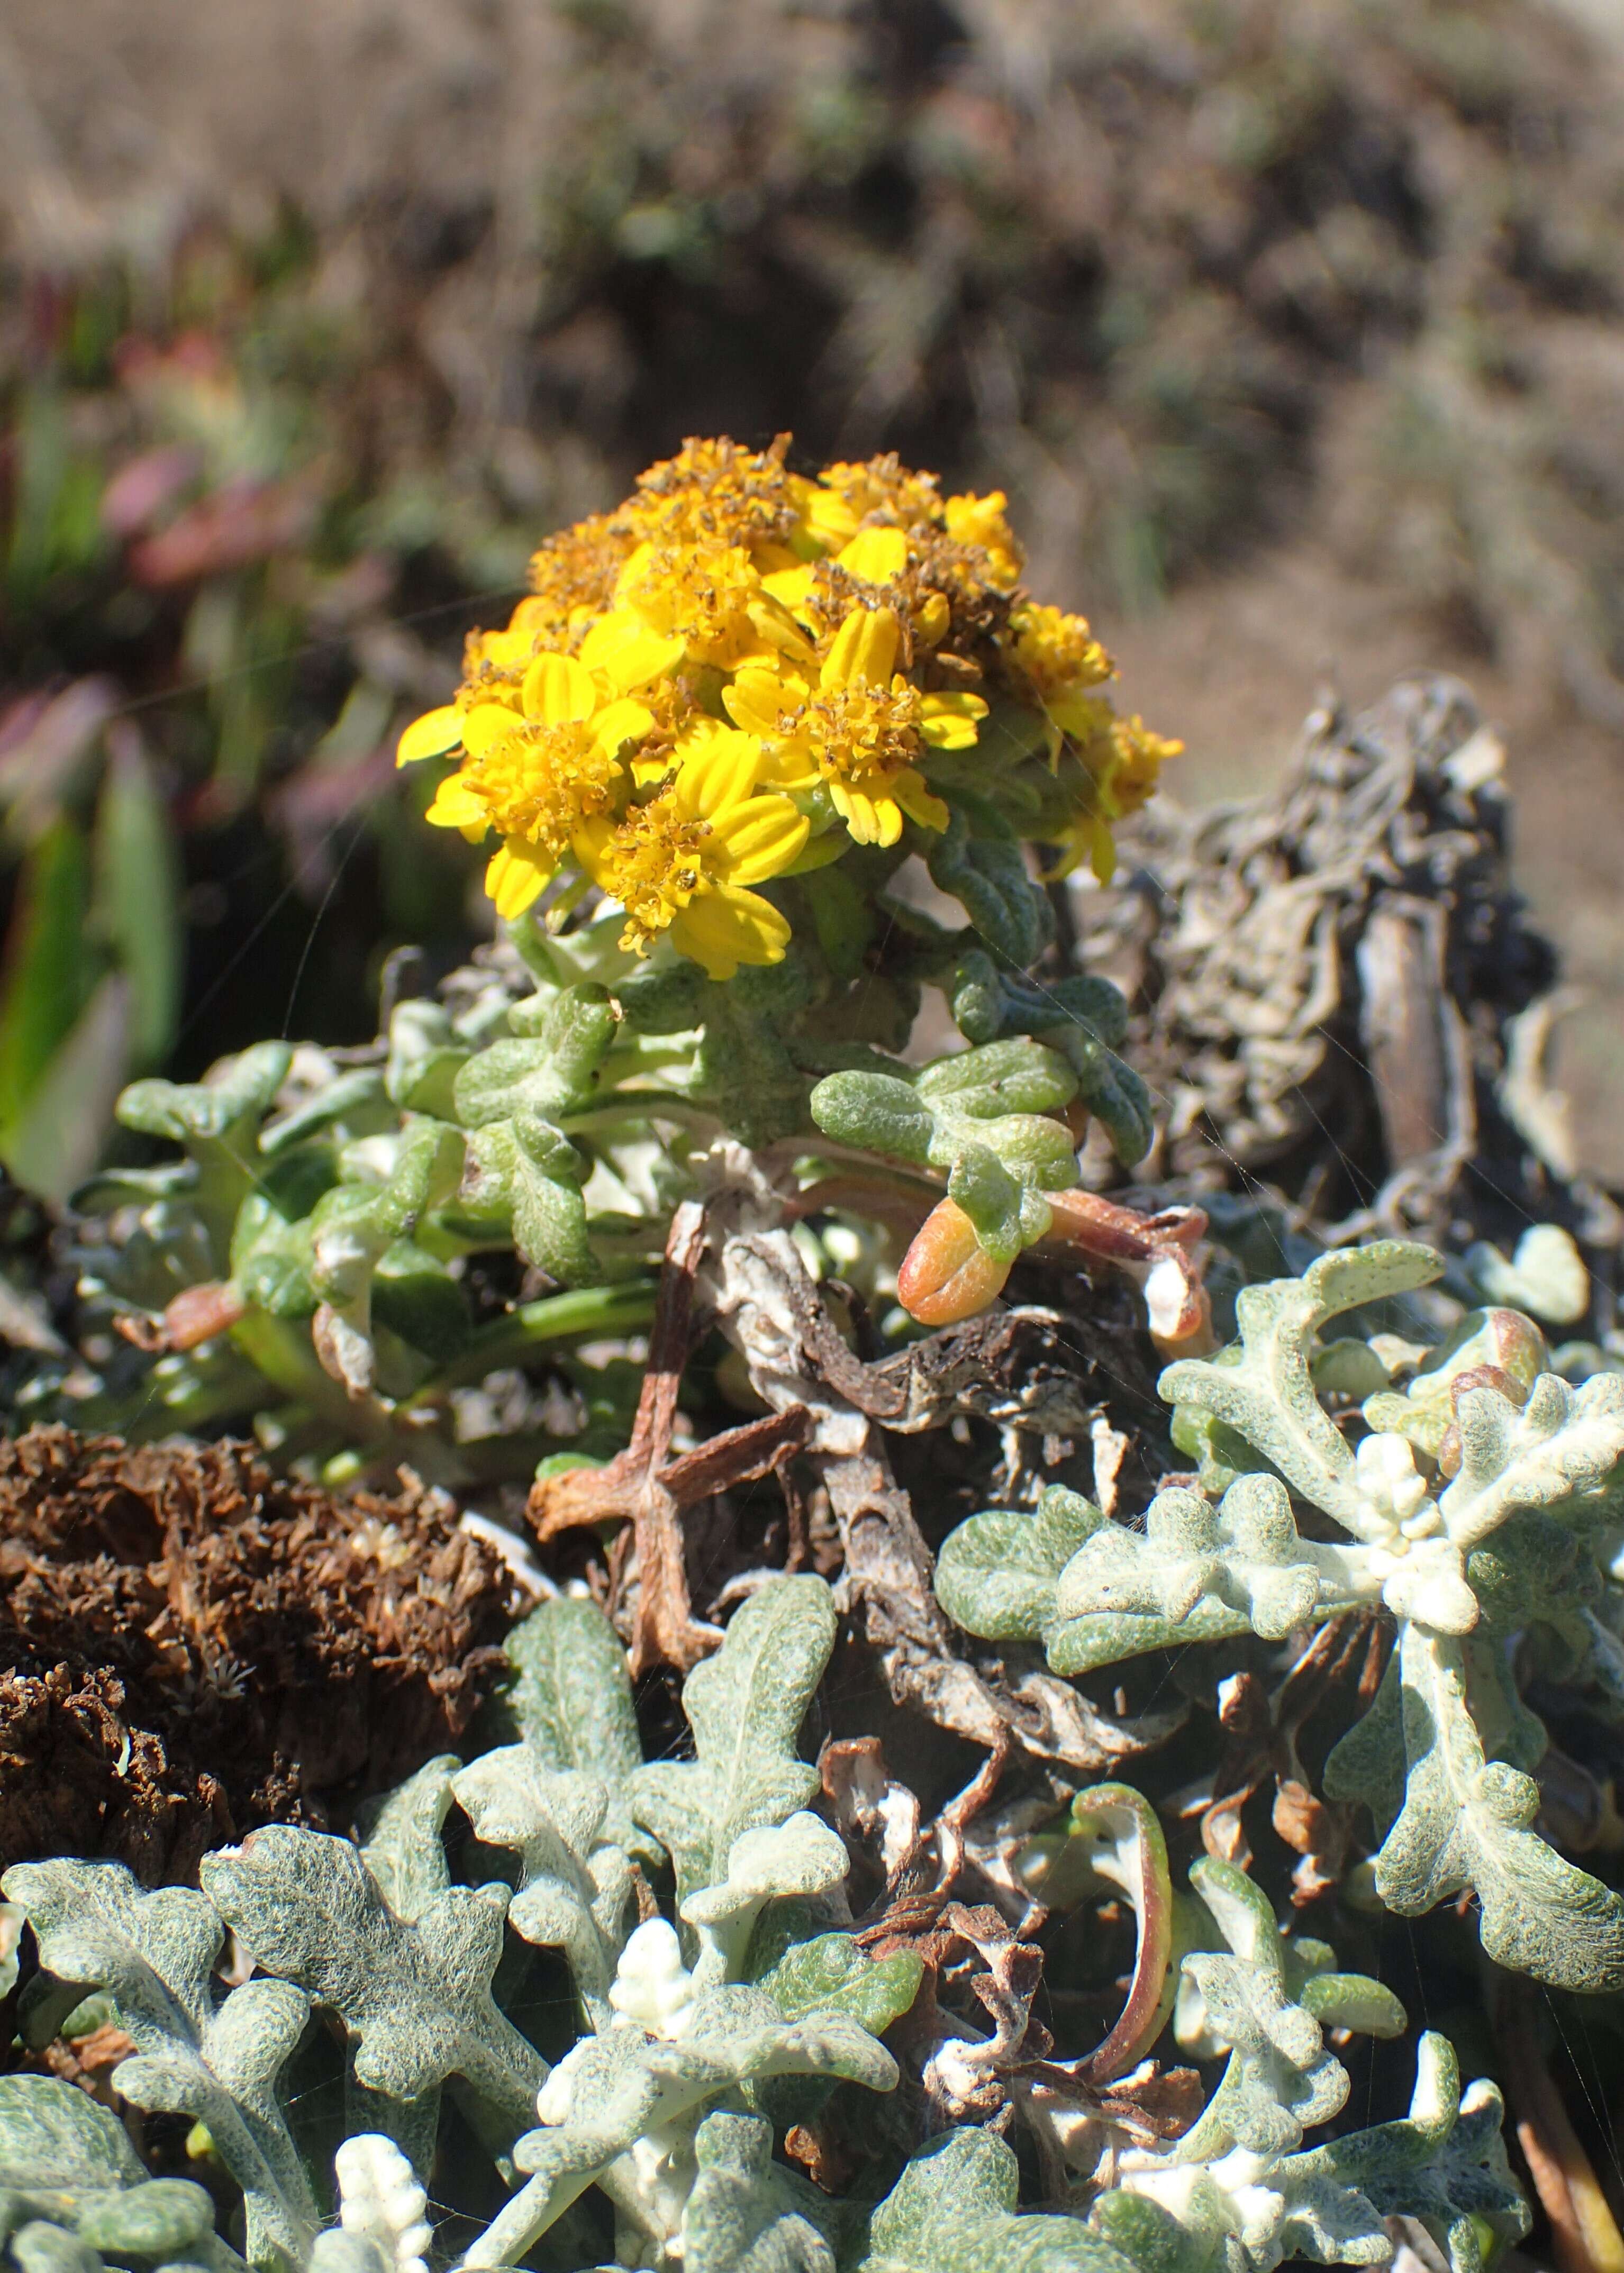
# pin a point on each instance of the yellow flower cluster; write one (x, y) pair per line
(743, 672)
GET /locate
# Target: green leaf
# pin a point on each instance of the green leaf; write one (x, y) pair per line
(48, 972)
(575, 1885)
(998, 1574)
(571, 1702)
(614, 2090)
(415, 1996)
(529, 1169)
(1010, 1077)
(983, 1116)
(746, 2214)
(1444, 2164)
(545, 1077)
(224, 1108)
(416, 1297)
(1198, 1572)
(1562, 1455)
(745, 1707)
(425, 1057)
(1466, 1822)
(58, 1135)
(400, 1841)
(1280, 2079)
(1262, 1387)
(56, 2137)
(800, 1856)
(155, 1954)
(987, 875)
(829, 1973)
(953, 2212)
(138, 885)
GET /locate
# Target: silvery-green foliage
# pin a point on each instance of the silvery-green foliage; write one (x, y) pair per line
(800, 1856)
(745, 1707)
(1265, 2004)
(1240, 2188)
(953, 2212)
(571, 1702)
(1461, 1553)
(665, 2104)
(402, 1843)
(623, 2109)
(747, 2214)
(1461, 1819)
(1444, 2164)
(214, 2060)
(74, 2195)
(575, 1886)
(414, 1995)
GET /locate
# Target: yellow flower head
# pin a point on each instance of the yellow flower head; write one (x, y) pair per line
(860, 729)
(848, 495)
(682, 864)
(536, 774)
(739, 657)
(707, 601)
(978, 523)
(1057, 654)
(1123, 762)
(714, 493)
(571, 578)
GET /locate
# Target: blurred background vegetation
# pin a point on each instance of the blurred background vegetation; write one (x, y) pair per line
(1294, 328)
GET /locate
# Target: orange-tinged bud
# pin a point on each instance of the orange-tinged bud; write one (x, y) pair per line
(947, 1275)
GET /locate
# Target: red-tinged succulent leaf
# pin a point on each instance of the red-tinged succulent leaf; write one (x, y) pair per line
(947, 1275)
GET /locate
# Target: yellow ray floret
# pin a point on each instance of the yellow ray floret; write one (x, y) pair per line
(860, 729)
(682, 865)
(535, 776)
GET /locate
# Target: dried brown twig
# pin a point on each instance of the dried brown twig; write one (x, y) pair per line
(645, 1487)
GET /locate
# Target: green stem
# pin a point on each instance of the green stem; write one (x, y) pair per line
(583, 1314)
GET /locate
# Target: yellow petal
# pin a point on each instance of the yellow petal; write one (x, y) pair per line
(517, 874)
(558, 691)
(758, 839)
(590, 843)
(790, 764)
(508, 650)
(483, 728)
(878, 556)
(455, 806)
(909, 790)
(776, 632)
(830, 518)
(431, 736)
(625, 652)
(946, 732)
(620, 722)
(872, 820)
(717, 774)
(758, 698)
(790, 586)
(721, 928)
(863, 650)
